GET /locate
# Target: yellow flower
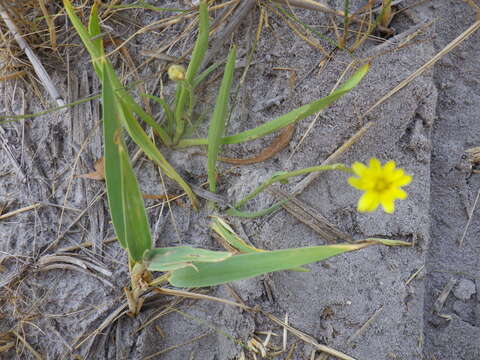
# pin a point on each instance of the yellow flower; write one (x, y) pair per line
(176, 72)
(381, 185)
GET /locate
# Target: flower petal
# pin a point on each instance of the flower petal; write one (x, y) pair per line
(389, 167)
(356, 182)
(403, 180)
(400, 194)
(369, 201)
(375, 164)
(359, 168)
(388, 205)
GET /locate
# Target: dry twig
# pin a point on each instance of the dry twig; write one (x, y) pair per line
(36, 63)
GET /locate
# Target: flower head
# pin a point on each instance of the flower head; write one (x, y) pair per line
(176, 72)
(381, 185)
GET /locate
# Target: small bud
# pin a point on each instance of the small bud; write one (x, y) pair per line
(176, 72)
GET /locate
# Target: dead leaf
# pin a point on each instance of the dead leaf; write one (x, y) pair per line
(98, 174)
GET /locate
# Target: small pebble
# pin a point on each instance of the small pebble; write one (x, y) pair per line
(464, 289)
(465, 311)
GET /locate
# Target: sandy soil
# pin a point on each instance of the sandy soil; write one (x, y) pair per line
(374, 304)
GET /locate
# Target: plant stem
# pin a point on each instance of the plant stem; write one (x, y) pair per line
(286, 175)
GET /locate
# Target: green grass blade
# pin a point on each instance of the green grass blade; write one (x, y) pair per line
(111, 127)
(94, 29)
(245, 266)
(137, 109)
(137, 229)
(201, 77)
(201, 45)
(284, 176)
(133, 107)
(91, 46)
(199, 50)
(217, 123)
(228, 234)
(141, 138)
(173, 258)
(170, 116)
(48, 111)
(255, 214)
(289, 118)
(96, 51)
(300, 113)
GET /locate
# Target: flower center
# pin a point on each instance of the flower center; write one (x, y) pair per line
(381, 185)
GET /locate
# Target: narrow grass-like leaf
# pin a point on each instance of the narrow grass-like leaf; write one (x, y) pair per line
(126, 106)
(137, 109)
(387, 242)
(138, 135)
(201, 46)
(141, 139)
(217, 123)
(289, 118)
(226, 232)
(96, 51)
(284, 176)
(173, 258)
(112, 126)
(250, 265)
(94, 29)
(300, 113)
(92, 47)
(170, 116)
(203, 75)
(255, 214)
(137, 229)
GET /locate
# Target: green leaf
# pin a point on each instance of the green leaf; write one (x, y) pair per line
(92, 47)
(128, 100)
(166, 108)
(228, 234)
(201, 45)
(245, 266)
(137, 229)
(256, 214)
(199, 50)
(138, 135)
(217, 123)
(202, 76)
(289, 118)
(111, 126)
(284, 175)
(94, 29)
(298, 114)
(174, 258)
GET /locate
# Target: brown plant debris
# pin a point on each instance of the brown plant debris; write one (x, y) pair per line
(280, 143)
